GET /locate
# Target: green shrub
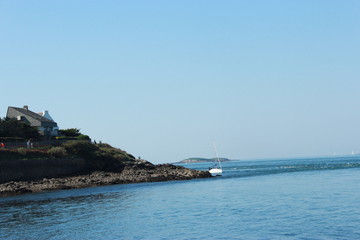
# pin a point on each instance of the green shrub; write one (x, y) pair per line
(57, 152)
(79, 148)
(71, 132)
(22, 151)
(99, 156)
(84, 137)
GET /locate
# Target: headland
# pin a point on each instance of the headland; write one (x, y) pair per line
(80, 164)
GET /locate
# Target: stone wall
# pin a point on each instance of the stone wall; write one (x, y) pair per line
(35, 169)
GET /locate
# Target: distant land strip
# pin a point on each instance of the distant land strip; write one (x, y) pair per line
(203, 160)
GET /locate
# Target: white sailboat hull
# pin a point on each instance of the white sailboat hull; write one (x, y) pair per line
(215, 172)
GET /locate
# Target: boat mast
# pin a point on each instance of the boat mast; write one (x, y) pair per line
(217, 155)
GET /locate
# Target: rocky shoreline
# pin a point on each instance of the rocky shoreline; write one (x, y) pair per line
(130, 174)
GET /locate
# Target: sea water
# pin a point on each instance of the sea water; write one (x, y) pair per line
(313, 198)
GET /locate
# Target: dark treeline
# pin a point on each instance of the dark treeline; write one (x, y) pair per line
(12, 128)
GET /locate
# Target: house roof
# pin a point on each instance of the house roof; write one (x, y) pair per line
(32, 114)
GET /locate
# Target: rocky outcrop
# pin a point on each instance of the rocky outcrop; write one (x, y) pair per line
(140, 171)
(80, 164)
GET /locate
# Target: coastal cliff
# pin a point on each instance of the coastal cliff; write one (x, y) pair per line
(81, 164)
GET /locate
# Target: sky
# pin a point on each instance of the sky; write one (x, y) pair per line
(163, 80)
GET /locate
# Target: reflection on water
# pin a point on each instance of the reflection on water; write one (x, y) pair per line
(50, 210)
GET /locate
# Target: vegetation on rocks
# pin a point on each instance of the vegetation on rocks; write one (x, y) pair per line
(58, 152)
(72, 134)
(23, 153)
(99, 156)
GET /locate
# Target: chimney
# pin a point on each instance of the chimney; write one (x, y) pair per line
(26, 107)
(46, 115)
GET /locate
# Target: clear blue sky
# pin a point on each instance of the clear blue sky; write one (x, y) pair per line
(164, 79)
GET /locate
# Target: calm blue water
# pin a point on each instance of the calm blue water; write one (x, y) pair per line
(315, 198)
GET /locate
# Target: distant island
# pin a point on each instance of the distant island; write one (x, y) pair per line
(201, 160)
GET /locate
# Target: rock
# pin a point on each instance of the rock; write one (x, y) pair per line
(142, 171)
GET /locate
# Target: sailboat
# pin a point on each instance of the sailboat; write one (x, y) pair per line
(216, 170)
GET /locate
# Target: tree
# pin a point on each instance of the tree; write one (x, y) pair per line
(70, 132)
(11, 128)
